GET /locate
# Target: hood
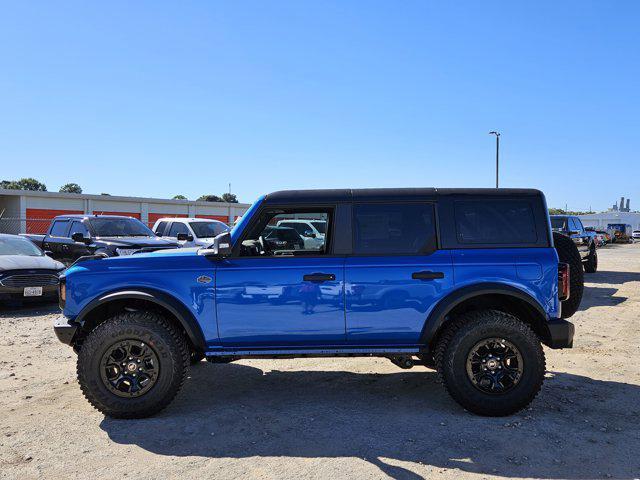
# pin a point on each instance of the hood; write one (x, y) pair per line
(22, 262)
(137, 241)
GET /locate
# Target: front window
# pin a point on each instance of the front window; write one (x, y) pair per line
(18, 246)
(119, 227)
(177, 228)
(275, 234)
(320, 226)
(208, 229)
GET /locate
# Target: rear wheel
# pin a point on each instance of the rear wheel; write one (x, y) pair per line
(568, 253)
(591, 263)
(490, 362)
(132, 365)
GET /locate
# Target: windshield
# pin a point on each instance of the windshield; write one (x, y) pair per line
(320, 226)
(208, 229)
(558, 223)
(119, 227)
(18, 246)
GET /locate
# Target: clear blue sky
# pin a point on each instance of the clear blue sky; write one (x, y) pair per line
(161, 98)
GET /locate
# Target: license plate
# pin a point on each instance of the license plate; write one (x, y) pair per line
(32, 291)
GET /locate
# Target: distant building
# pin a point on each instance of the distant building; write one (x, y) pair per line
(25, 211)
(622, 207)
(601, 220)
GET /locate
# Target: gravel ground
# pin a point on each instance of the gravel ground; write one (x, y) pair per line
(335, 418)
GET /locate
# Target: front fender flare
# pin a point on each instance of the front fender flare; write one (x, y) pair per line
(162, 299)
(439, 314)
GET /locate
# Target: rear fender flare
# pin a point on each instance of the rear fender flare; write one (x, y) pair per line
(440, 313)
(170, 303)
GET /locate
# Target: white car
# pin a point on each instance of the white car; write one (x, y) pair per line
(189, 232)
(635, 235)
(311, 231)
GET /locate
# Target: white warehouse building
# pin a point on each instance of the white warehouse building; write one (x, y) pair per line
(25, 211)
(601, 220)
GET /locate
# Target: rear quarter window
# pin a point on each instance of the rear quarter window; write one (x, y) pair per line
(495, 222)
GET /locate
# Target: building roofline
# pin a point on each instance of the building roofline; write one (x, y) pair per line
(87, 196)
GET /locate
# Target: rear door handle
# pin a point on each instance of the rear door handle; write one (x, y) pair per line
(318, 277)
(427, 275)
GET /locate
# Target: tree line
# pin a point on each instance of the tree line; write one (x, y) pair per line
(36, 186)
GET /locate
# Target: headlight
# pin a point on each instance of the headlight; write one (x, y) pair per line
(62, 291)
(125, 251)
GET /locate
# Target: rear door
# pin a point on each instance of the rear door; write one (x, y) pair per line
(396, 274)
(56, 240)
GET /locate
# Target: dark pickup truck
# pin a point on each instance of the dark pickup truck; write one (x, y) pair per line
(73, 236)
(571, 226)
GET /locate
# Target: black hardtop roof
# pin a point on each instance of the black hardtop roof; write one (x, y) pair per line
(378, 194)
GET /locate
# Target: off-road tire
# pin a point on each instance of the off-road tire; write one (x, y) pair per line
(591, 263)
(457, 341)
(155, 331)
(568, 253)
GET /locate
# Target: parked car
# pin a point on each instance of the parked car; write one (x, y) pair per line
(605, 235)
(598, 238)
(311, 231)
(621, 232)
(73, 236)
(572, 227)
(636, 235)
(137, 321)
(189, 232)
(25, 271)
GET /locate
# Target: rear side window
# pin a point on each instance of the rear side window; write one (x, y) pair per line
(495, 222)
(394, 229)
(59, 228)
(160, 228)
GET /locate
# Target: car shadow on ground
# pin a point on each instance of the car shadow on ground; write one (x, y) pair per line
(613, 278)
(577, 428)
(28, 309)
(596, 296)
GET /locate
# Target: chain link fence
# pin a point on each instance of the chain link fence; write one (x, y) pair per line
(16, 225)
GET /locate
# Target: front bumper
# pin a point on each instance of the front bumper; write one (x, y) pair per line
(65, 330)
(559, 333)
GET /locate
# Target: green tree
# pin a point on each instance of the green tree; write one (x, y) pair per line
(179, 197)
(209, 198)
(229, 198)
(556, 211)
(24, 184)
(71, 188)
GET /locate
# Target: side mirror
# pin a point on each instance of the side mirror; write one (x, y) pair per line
(221, 246)
(80, 238)
(185, 237)
(309, 233)
(574, 232)
(48, 253)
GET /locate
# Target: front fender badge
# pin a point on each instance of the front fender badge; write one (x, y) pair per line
(204, 279)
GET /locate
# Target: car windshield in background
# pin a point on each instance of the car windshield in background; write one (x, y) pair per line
(558, 223)
(18, 246)
(208, 229)
(320, 226)
(119, 227)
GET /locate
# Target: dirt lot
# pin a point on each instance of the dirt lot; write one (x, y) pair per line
(336, 418)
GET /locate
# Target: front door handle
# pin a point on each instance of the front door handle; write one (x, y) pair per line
(319, 277)
(427, 275)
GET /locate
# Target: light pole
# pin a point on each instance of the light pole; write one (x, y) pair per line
(497, 134)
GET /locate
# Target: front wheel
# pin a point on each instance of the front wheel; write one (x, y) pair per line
(133, 365)
(490, 362)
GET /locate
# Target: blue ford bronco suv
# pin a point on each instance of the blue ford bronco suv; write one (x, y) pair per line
(466, 281)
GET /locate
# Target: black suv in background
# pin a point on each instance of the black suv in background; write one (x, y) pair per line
(73, 236)
(572, 227)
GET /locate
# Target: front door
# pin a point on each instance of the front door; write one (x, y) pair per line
(275, 292)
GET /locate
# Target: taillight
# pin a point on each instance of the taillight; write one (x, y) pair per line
(62, 292)
(564, 281)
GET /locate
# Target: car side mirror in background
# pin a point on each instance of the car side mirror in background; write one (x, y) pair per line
(221, 246)
(80, 238)
(309, 233)
(185, 237)
(574, 232)
(48, 253)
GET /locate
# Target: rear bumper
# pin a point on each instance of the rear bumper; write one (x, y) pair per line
(65, 330)
(559, 333)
